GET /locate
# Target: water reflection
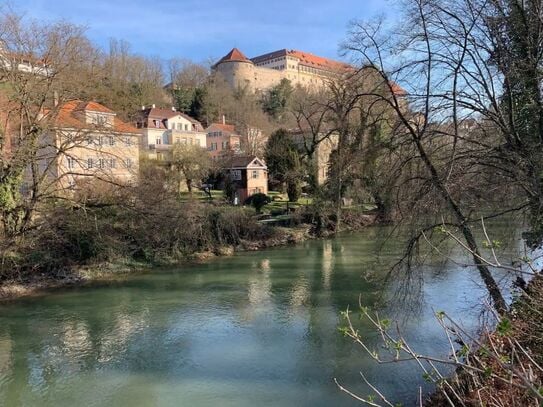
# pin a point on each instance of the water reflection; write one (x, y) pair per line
(255, 329)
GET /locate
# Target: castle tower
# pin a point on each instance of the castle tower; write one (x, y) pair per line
(237, 69)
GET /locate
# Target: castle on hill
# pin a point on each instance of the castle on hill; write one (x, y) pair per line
(265, 71)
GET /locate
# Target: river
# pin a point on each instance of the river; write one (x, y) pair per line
(255, 329)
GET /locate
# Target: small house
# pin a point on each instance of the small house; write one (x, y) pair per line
(249, 174)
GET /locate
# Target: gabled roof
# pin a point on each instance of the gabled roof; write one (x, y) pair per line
(165, 114)
(70, 116)
(227, 128)
(248, 161)
(234, 55)
(95, 107)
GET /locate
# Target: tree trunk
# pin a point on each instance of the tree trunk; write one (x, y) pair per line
(493, 289)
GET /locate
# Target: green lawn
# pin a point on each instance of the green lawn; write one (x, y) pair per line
(280, 202)
(199, 195)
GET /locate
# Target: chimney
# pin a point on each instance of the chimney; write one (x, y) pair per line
(153, 105)
(55, 98)
(223, 119)
(173, 109)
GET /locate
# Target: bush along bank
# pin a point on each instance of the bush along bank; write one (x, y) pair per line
(507, 368)
(75, 244)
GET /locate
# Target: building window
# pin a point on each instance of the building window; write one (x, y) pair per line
(129, 162)
(101, 163)
(111, 141)
(99, 120)
(236, 175)
(128, 141)
(71, 162)
(255, 174)
(186, 127)
(158, 140)
(179, 126)
(157, 123)
(113, 163)
(90, 163)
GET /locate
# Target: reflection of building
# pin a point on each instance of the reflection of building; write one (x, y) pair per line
(87, 142)
(249, 175)
(222, 139)
(265, 71)
(327, 263)
(162, 128)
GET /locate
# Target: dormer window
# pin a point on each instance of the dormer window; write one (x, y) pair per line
(99, 120)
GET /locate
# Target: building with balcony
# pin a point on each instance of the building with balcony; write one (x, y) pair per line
(163, 128)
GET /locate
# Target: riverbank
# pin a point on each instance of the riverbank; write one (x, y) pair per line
(510, 359)
(81, 275)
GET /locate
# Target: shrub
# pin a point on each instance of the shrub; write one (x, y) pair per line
(258, 201)
(294, 190)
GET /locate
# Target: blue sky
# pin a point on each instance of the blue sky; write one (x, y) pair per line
(203, 29)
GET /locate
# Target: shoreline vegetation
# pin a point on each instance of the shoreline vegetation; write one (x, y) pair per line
(78, 275)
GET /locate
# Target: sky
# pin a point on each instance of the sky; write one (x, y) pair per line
(207, 29)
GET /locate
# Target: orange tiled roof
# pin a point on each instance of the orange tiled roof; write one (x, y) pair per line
(69, 115)
(165, 114)
(234, 55)
(397, 89)
(305, 58)
(224, 127)
(315, 61)
(96, 107)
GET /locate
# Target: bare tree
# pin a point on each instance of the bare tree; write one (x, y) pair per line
(38, 71)
(191, 162)
(461, 138)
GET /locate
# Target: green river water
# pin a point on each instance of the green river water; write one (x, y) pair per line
(255, 329)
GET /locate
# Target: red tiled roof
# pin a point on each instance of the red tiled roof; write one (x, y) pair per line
(397, 89)
(164, 114)
(305, 58)
(230, 128)
(96, 107)
(315, 61)
(69, 115)
(234, 55)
